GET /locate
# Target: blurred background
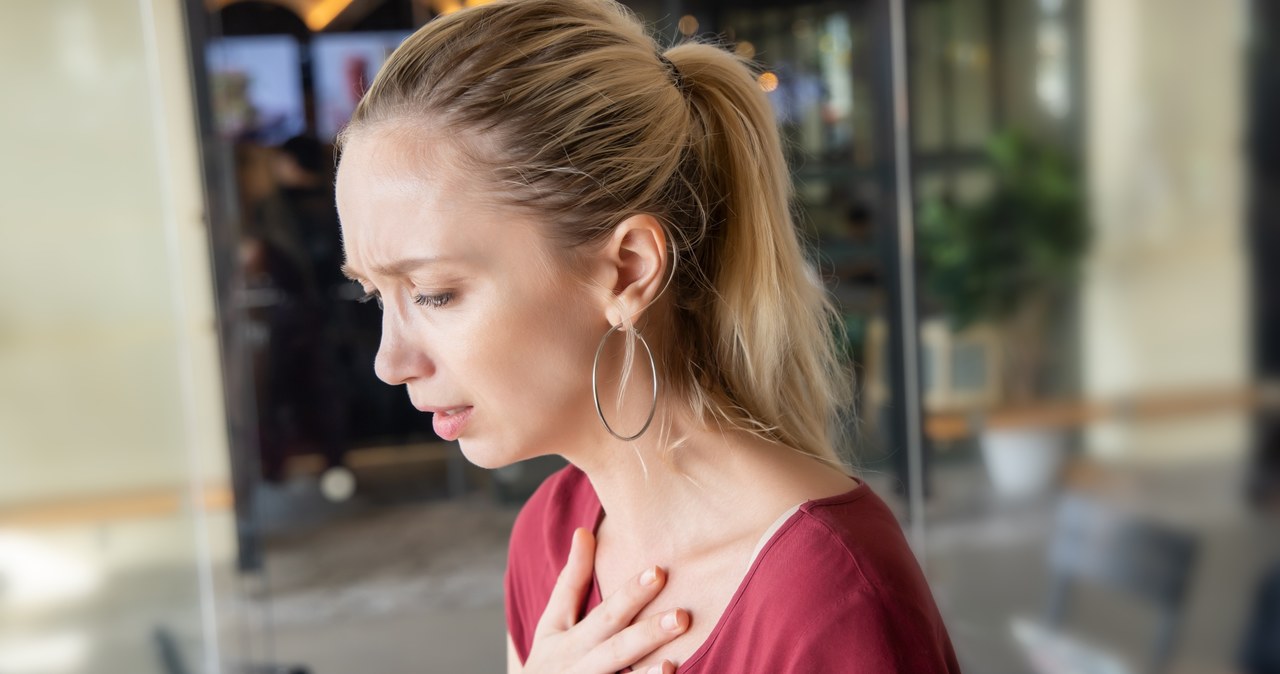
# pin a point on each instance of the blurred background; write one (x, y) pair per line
(1052, 226)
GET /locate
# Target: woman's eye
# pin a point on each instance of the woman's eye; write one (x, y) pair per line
(433, 301)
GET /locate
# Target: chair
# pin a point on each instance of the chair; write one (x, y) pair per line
(172, 662)
(1095, 544)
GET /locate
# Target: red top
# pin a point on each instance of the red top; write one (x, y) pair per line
(835, 589)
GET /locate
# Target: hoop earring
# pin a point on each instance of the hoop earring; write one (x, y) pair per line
(595, 390)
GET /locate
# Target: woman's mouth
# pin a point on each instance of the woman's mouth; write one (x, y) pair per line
(449, 424)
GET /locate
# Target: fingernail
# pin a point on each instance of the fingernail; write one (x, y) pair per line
(650, 576)
(671, 621)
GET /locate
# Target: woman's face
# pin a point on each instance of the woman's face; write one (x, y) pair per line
(478, 312)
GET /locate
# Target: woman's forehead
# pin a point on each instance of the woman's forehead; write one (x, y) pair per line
(395, 200)
(400, 160)
(407, 170)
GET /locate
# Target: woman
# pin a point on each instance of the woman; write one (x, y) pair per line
(583, 247)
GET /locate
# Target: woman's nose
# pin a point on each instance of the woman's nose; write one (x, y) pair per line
(400, 357)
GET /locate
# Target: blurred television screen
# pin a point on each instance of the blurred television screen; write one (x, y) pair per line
(343, 68)
(256, 87)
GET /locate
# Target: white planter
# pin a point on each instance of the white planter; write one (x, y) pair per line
(1023, 462)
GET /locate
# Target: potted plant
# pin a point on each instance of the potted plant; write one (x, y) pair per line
(1007, 259)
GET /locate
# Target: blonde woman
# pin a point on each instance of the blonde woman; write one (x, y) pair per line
(583, 246)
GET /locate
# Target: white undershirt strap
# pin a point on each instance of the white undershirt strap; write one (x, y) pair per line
(773, 528)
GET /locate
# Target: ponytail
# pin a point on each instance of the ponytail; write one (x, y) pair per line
(770, 320)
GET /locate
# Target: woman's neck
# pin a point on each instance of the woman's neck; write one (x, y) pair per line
(714, 489)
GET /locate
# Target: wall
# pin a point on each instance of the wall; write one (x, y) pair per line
(108, 360)
(1164, 304)
(111, 420)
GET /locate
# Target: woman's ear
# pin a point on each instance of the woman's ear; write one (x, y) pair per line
(633, 264)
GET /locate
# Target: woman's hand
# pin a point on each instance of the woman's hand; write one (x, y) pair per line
(604, 641)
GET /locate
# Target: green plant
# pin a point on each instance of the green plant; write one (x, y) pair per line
(1008, 256)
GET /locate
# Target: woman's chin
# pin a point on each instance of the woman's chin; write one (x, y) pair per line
(485, 456)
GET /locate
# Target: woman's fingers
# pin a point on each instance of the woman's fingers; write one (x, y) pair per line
(562, 608)
(605, 640)
(615, 613)
(626, 647)
(665, 668)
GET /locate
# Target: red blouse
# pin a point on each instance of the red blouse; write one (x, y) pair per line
(834, 589)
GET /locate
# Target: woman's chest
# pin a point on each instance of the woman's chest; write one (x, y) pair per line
(705, 588)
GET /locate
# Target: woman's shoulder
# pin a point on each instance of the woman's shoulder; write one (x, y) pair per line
(851, 542)
(860, 526)
(853, 545)
(842, 571)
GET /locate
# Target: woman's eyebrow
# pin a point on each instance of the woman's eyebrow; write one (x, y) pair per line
(397, 268)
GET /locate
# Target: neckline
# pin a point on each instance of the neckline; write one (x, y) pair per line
(853, 494)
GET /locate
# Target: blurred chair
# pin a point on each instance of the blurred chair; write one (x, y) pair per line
(172, 661)
(1095, 544)
(170, 655)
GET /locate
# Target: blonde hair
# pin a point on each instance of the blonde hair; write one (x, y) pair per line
(569, 107)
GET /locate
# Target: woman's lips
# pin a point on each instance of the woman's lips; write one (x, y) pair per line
(449, 426)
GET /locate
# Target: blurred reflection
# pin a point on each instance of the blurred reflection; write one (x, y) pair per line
(1086, 329)
(1144, 559)
(1260, 644)
(110, 415)
(38, 576)
(59, 653)
(290, 253)
(1259, 653)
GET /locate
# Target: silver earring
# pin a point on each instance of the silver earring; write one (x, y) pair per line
(595, 390)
